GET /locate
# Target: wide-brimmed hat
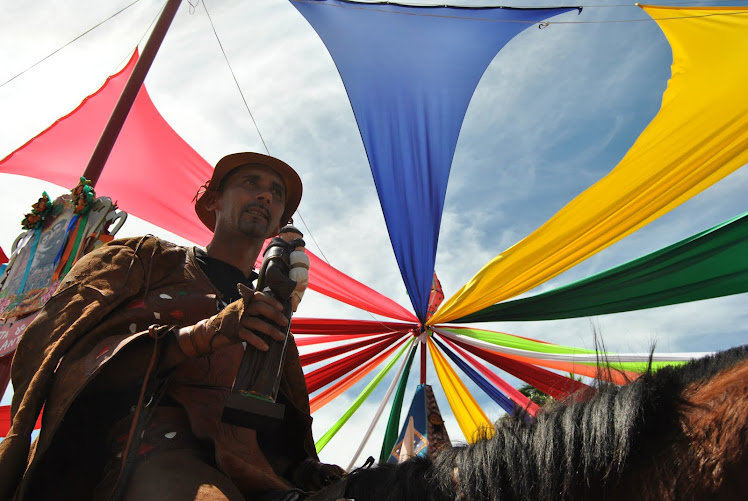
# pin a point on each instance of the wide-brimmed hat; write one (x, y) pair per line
(230, 162)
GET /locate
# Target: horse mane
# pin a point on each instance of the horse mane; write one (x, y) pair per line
(572, 450)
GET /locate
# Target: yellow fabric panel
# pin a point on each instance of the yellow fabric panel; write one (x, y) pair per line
(469, 415)
(699, 136)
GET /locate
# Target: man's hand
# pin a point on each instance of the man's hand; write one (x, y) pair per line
(261, 313)
(241, 320)
(312, 475)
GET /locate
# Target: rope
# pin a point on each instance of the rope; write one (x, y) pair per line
(70, 42)
(235, 80)
(541, 24)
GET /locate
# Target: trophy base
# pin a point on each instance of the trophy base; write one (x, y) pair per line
(252, 411)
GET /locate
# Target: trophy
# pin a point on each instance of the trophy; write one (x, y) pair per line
(284, 276)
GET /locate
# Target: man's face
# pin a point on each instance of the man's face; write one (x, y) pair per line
(251, 202)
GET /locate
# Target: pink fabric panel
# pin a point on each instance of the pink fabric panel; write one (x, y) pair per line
(555, 385)
(517, 397)
(152, 173)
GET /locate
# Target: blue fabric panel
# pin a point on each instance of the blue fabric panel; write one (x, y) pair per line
(410, 73)
(418, 412)
(496, 395)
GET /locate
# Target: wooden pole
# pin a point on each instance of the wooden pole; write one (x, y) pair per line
(127, 98)
(423, 358)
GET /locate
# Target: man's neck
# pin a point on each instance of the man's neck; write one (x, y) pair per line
(241, 254)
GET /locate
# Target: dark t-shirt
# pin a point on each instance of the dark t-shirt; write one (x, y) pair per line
(223, 275)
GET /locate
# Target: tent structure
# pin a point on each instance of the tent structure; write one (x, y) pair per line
(409, 126)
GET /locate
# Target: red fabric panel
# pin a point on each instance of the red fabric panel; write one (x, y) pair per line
(337, 327)
(555, 385)
(327, 280)
(152, 173)
(148, 157)
(455, 327)
(517, 397)
(312, 340)
(5, 362)
(328, 394)
(325, 375)
(3, 257)
(5, 420)
(318, 356)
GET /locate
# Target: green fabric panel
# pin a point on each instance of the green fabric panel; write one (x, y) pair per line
(710, 264)
(393, 424)
(322, 442)
(509, 341)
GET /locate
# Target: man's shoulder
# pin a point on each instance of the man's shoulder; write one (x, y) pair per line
(123, 251)
(146, 244)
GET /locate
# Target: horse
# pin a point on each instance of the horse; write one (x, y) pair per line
(678, 433)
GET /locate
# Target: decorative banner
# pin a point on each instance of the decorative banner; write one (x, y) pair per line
(410, 73)
(325, 439)
(699, 136)
(504, 394)
(413, 438)
(327, 395)
(147, 156)
(390, 433)
(340, 327)
(470, 417)
(555, 385)
(710, 264)
(423, 433)
(330, 372)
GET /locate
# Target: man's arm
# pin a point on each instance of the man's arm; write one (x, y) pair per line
(239, 321)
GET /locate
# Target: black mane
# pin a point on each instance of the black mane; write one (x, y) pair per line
(573, 450)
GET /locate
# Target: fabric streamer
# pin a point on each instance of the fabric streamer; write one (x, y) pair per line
(380, 409)
(314, 340)
(619, 368)
(699, 136)
(492, 391)
(329, 373)
(409, 124)
(555, 385)
(318, 356)
(709, 264)
(148, 148)
(569, 354)
(518, 398)
(469, 415)
(325, 439)
(338, 327)
(327, 395)
(516, 342)
(393, 423)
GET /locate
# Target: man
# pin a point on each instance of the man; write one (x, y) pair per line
(134, 355)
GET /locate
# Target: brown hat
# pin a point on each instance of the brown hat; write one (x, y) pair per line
(230, 162)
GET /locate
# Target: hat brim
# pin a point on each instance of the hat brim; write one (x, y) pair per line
(230, 162)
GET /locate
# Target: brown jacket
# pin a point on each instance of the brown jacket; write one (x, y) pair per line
(104, 306)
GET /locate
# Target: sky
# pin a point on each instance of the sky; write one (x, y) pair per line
(554, 112)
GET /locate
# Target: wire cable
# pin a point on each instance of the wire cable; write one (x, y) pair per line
(541, 24)
(235, 80)
(70, 42)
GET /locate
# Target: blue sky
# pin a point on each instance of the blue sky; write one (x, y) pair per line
(555, 111)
